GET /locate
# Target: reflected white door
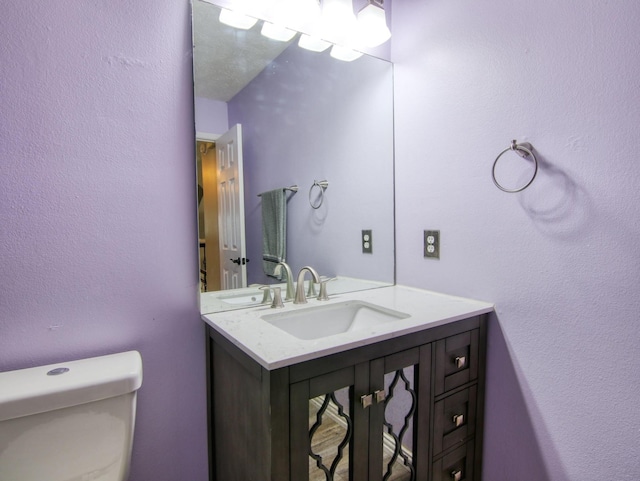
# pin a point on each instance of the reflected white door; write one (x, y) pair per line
(233, 269)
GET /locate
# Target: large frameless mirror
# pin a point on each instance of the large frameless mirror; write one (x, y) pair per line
(272, 116)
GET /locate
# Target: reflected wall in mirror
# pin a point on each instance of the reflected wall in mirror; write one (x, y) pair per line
(304, 116)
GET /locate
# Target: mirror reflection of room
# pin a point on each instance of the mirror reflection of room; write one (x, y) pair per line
(303, 117)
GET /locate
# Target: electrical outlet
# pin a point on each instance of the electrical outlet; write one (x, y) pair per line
(367, 242)
(432, 244)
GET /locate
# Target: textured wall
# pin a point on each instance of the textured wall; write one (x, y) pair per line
(562, 259)
(97, 207)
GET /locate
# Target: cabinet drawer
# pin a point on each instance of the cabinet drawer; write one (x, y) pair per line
(456, 361)
(454, 419)
(456, 465)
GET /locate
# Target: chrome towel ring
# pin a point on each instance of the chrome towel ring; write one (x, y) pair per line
(322, 185)
(524, 150)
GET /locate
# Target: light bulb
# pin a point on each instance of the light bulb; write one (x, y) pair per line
(296, 12)
(345, 54)
(276, 32)
(308, 10)
(372, 26)
(237, 19)
(314, 44)
(338, 23)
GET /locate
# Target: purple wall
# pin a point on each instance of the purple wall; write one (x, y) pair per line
(97, 207)
(562, 259)
(310, 117)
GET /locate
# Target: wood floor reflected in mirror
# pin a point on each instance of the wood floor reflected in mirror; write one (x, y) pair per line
(327, 437)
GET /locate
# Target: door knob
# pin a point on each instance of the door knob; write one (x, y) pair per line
(240, 260)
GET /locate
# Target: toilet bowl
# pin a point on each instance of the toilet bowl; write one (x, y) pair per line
(71, 421)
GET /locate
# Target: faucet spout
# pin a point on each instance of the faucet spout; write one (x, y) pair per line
(300, 297)
(289, 293)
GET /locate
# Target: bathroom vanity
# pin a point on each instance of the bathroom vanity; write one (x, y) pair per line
(400, 398)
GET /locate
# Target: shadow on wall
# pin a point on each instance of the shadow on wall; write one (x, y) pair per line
(557, 204)
(513, 448)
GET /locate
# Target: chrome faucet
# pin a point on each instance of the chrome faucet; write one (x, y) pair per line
(277, 270)
(300, 296)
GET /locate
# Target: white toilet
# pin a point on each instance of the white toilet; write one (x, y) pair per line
(70, 421)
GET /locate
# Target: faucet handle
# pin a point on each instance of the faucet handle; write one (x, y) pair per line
(323, 296)
(277, 298)
(266, 294)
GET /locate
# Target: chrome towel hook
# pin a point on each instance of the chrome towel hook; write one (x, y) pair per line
(524, 150)
(322, 185)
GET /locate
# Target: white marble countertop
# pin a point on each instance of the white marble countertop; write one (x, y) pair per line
(274, 348)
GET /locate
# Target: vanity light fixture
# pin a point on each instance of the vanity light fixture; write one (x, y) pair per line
(333, 24)
(236, 19)
(372, 24)
(314, 44)
(277, 32)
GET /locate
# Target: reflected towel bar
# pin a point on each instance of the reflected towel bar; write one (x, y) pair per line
(293, 188)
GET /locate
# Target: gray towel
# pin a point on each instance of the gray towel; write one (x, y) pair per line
(274, 230)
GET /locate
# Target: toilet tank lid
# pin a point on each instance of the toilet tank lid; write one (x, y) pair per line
(45, 388)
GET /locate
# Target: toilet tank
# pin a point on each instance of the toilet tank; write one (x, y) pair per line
(70, 421)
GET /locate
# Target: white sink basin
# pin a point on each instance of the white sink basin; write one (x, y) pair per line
(244, 299)
(323, 321)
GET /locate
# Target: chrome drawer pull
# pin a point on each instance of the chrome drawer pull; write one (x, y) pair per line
(380, 396)
(461, 361)
(458, 420)
(456, 475)
(366, 400)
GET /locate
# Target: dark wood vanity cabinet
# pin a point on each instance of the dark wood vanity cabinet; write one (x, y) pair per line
(408, 408)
